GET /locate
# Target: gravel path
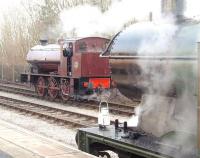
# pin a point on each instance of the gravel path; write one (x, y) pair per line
(59, 133)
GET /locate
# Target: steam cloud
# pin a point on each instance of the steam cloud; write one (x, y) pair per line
(170, 101)
(192, 9)
(88, 20)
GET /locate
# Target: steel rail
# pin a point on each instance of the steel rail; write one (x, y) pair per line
(59, 115)
(115, 108)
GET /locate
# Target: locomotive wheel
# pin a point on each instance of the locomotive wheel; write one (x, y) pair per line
(41, 87)
(65, 90)
(53, 88)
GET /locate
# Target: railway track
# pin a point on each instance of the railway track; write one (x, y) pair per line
(68, 117)
(115, 108)
(14, 83)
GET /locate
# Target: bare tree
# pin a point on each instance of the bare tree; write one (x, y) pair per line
(23, 27)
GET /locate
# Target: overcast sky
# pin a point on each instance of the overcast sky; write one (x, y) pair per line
(6, 4)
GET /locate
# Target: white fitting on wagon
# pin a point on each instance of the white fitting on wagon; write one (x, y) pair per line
(104, 116)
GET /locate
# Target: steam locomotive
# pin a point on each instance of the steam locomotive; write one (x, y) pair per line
(70, 68)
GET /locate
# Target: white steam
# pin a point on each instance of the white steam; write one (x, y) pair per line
(133, 121)
(88, 20)
(160, 41)
(170, 86)
(192, 9)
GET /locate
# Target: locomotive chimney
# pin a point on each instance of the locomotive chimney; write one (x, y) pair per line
(173, 7)
(43, 42)
(150, 16)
